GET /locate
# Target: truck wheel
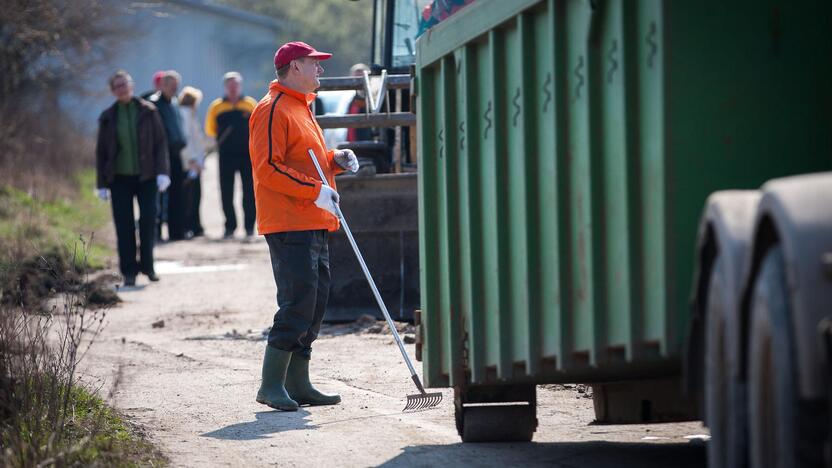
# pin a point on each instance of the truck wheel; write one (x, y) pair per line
(772, 398)
(495, 421)
(724, 401)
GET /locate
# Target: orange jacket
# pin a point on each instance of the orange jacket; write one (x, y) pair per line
(282, 129)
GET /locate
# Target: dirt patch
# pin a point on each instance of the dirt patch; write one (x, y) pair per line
(32, 282)
(100, 292)
(247, 335)
(190, 318)
(367, 324)
(364, 325)
(580, 390)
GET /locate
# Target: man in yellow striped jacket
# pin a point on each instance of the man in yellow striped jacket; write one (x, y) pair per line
(227, 123)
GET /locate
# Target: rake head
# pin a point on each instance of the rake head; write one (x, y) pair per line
(422, 401)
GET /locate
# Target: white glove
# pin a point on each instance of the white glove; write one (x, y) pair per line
(347, 160)
(327, 199)
(103, 193)
(163, 182)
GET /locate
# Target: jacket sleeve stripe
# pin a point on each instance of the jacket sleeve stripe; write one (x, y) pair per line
(271, 161)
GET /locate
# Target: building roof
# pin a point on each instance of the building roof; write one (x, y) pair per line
(276, 24)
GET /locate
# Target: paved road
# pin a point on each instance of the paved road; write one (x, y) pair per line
(192, 383)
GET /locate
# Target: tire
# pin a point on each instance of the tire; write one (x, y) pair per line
(724, 398)
(773, 406)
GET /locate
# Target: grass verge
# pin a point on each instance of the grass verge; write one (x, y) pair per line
(49, 244)
(29, 225)
(50, 314)
(111, 439)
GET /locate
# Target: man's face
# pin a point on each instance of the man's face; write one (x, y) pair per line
(122, 89)
(309, 73)
(232, 89)
(169, 86)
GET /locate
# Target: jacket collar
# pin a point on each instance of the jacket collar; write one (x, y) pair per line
(239, 100)
(276, 87)
(142, 106)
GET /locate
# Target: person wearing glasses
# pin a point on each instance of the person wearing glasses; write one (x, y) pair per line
(132, 163)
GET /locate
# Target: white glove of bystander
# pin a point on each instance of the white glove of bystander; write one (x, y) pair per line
(347, 160)
(103, 193)
(327, 199)
(163, 182)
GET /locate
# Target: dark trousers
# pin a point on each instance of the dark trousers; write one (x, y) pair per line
(122, 192)
(161, 213)
(193, 196)
(176, 216)
(230, 165)
(300, 263)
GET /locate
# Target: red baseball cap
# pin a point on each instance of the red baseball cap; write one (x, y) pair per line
(295, 50)
(157, 77)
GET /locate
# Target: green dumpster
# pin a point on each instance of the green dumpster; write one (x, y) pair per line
(566, 150)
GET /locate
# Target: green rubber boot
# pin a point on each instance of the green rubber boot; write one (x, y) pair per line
(272, 391)
(301, 389)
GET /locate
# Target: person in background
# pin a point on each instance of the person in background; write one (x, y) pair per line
(165, 100)
(162, 198)
(358, 105)
(227, 123)
(131, 163)
(157, 82)
(438, 11)
(193, 158)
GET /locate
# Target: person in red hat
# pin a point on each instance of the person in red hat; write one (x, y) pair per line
(156, 80)
(295, 212)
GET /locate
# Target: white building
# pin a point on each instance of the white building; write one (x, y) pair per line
(200, 40)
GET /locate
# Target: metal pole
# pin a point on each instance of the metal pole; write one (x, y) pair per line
(369, 277)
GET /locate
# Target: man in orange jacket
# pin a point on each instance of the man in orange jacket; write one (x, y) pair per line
(295, 212)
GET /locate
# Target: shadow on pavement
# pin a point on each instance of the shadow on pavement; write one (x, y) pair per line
(265, 424)
(590, 454)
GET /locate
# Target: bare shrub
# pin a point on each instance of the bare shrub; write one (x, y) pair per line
(46, 48)
(39, 387)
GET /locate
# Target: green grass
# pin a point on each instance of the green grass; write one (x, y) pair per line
(112, 442)
(89, 433)
(29, 225)
(93, 434)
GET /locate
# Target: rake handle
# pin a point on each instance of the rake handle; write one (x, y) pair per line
(370, 280)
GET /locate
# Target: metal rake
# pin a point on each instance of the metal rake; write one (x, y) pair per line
(421, 400)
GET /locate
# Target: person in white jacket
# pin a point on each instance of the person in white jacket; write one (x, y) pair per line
(193, 158)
